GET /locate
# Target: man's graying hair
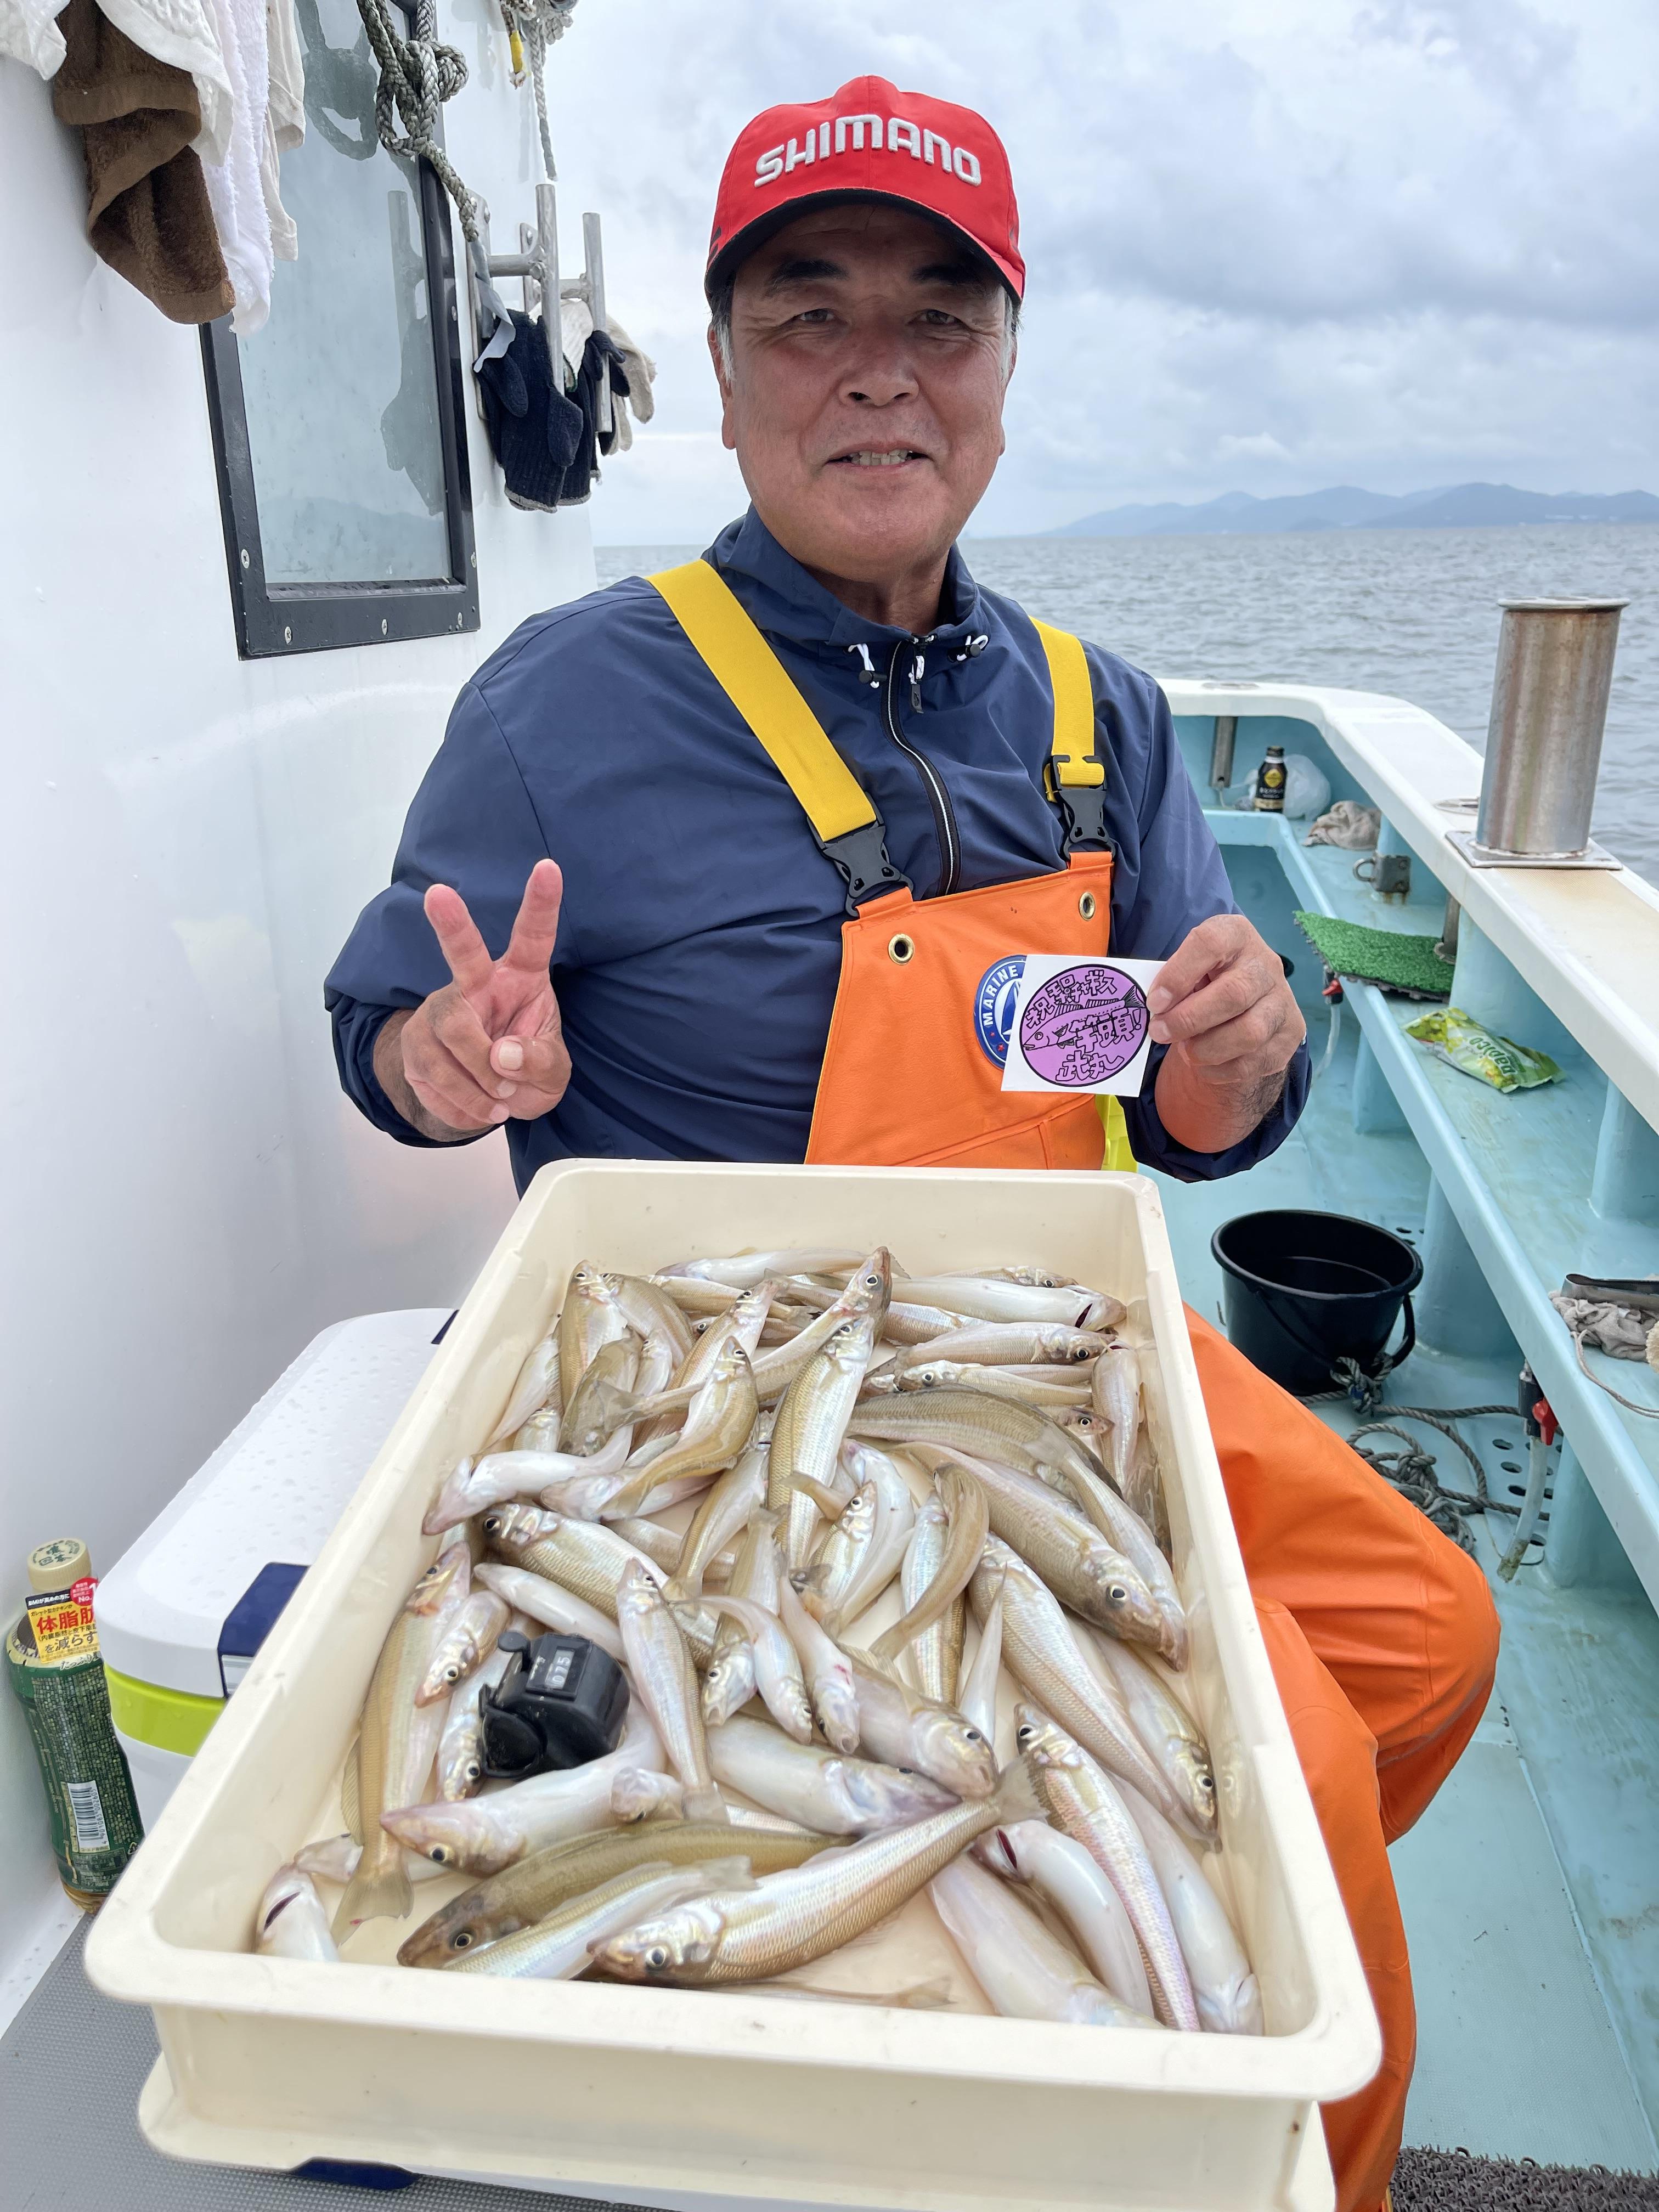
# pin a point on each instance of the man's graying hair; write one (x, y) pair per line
(720, 318)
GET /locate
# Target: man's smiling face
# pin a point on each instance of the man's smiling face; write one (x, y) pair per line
(869, 355)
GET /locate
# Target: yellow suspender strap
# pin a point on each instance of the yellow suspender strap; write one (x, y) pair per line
(1071, 756)
(756, 682)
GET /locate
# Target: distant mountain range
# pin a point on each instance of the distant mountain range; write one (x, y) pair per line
(1345, 506)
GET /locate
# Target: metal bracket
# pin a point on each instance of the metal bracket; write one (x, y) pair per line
(536, 265)
(1483, 856)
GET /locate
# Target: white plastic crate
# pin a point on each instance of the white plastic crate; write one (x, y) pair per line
(681, 2098)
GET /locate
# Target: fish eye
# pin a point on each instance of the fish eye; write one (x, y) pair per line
(656, 1958)
(1117, 1594)
(1025, 1732)
(461, 1939)
(439, 1854)
(1207, 1782)
(472, 1770)
(974, 1735)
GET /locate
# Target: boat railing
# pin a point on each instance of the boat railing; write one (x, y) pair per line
(1525, 1188)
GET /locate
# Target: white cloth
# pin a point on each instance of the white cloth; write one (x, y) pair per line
(182, 32)
(29, 34)
(285, 121)
(235, 185)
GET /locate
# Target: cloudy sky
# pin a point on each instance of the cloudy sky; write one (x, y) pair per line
(1273, 244)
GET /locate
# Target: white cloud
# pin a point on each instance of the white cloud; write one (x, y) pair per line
(1273, 243)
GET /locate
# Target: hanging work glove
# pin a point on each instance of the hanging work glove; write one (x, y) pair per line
(535, 432)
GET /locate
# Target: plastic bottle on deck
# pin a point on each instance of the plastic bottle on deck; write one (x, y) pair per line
(1270, 782)
(53, 1663)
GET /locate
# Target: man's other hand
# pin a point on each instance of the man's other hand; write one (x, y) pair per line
(488, 1047)
(1223, 1006)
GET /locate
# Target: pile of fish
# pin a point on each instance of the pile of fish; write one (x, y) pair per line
(786, 1779)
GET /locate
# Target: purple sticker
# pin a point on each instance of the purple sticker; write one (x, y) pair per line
(1084, 1026)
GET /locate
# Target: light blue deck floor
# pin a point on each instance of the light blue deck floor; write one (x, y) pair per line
(1530, 1889)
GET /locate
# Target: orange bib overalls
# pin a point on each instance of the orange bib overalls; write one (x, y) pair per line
(1380, 1632)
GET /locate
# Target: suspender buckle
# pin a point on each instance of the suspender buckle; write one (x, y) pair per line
(1082, 805)
(862, 856)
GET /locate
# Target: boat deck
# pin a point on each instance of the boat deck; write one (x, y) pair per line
(1529, 1888)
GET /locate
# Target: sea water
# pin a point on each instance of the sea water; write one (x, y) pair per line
(1414, 612)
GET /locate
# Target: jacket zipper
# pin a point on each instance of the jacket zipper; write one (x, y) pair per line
(945, 821)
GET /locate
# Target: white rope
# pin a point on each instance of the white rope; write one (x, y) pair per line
(539, 22)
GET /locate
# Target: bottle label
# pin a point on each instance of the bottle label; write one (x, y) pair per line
(61, 1622)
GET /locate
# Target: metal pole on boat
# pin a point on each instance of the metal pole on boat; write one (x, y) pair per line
(1549, 709)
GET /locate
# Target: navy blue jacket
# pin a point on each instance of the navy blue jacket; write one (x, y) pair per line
(700, 939)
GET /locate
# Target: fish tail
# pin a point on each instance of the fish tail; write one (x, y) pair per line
(375, 1893)
(887, 1645)
(677, 1590)
(706, 1805)
(1016, 1798)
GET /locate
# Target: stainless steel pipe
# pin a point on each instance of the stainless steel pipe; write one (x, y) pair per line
(1549, 709)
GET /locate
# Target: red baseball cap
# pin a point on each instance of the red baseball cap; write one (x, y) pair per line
(868, 142)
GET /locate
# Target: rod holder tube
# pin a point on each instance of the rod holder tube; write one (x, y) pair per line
(1549, 710)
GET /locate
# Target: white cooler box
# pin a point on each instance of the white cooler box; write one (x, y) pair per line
(183, 1611)
(689, 2100)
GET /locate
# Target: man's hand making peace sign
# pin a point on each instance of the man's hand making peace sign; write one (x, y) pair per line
(488, 1047)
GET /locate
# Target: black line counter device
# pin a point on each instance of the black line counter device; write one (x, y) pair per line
(562, 1702)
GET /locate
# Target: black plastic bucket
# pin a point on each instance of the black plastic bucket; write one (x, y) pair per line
(1305, 1290)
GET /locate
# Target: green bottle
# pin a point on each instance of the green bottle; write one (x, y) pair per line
(52, 1657)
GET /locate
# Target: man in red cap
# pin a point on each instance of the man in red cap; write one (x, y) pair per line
(809, 803)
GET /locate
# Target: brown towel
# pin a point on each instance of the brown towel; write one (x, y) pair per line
(148, 214)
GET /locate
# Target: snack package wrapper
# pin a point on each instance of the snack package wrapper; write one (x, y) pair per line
(1452, 1035)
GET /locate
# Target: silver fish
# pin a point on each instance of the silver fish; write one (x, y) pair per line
(1226, 1992)
(988, 1297)
(1063, 1873)
(889, 1534)
(483, 1835)
(742, 1271)
(1116, 1379)
(468, 1638)
(612, 1372)
(667, 1682)
(812, 1421)
(742, 1324)
(1174, 1739)
(829, 1577)
(560, 1947)
(930, 1603)
(729, 1681)
(337, 1858)
(477, 1484)
(536, 1385)
(724, 1513)
(584, 1558)
(1029, 1388)
(591, 1316)
(791, 1918)
(718, 1424)
(817, 1788)
(549, 1604)
(395, 1744)
(1079, 1797)
(979, 1692)
(1026, 1972)
(866, 1297)
(290, 1922)
(829, 1671)
(779, 1676)
(1039, 1651)
(1121, 1526)
(649, 1312)
(1008, 1344)
(461, 1747)
(899, 1724)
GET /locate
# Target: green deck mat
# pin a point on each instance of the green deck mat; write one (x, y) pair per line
(1398, 963)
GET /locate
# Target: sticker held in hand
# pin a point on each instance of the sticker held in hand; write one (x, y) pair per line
(1081, 1026)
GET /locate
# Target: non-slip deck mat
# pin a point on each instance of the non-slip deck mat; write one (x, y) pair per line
(1452, 2181)
(1388, 957)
